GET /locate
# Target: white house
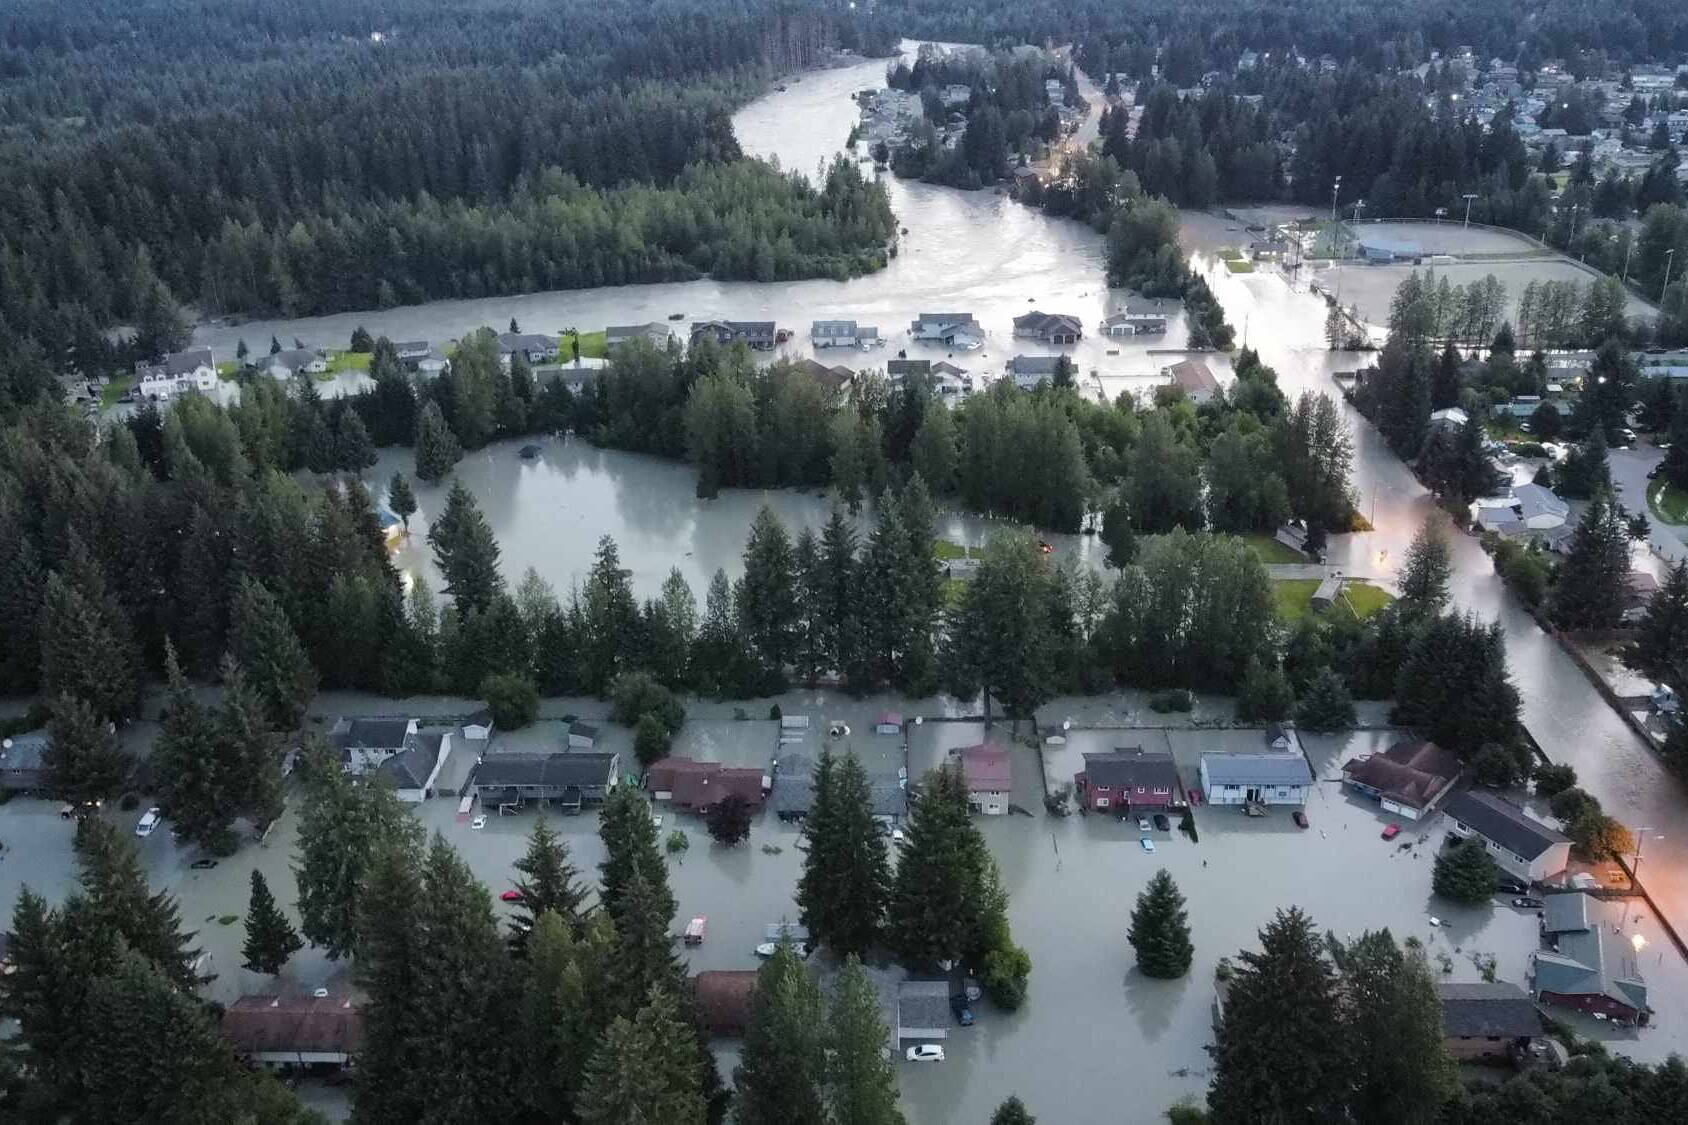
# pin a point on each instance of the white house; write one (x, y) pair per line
(414, 770)
(363, 744)
(192, 370)
(478, 727)
(956, 330)
(582, 736)
(843, 334)
(1516, 841)
(1267, 779)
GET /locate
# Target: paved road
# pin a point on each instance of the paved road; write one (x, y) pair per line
(1629, 474)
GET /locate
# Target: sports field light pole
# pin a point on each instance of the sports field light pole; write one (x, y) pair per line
(1334, 189)
(1469, 196)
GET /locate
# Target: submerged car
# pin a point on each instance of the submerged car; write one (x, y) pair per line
(479, 822)
(511, 895)
(1527, 903)
(1392, 831)
(1299, 817)
(149, 821)
(1162, 824)
(925, 1052)
(1142, 824)
(963, 1013)
(203, 864)
(1148, 844)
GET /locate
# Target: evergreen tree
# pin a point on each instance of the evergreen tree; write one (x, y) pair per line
(1675, 467)
(846, 877)
(265, 646)
(353, 450)
(198, 789)
(1586, 472)
(1427, 568)
(999, 636)
(782, 1068)
(247, 749)
(322, 453)
(624, 825)
(83, 654)
(466, 551)
(562, 1012)
(1593, 580)
(1160, 929)
(839, 606)
(401, 499)
(1454, 687)
(1265, 694)
(728, 820)
(767, 596)
(934, 910)
(1012, 1112)
(436, 446)
(1118, 534)
(116, 898)
(610, 620)
(861, 1083)
(270, 937)
(548, 883)
(1465, 872)
(82, 762)
(1327, 706)
(644, 1070)
(1394, 1017)
(1281, 1052)
(387, 919)
(1661, 638)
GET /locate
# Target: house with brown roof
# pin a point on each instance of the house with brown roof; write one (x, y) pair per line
(1049, 328)
(1129, 779)
(1194, 378)
(1407, 779)
(696, 786)
(989, 775)
(295, 1030)
(834, 378)
(725, 998)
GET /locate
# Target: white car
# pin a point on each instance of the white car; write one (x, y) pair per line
(925, 1052)
(1142, 824)
(1148, 845)
(149, 821)
(479, 822)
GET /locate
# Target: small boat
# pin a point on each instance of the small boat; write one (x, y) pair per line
(529, 452)
(695, 929)
(676, 316)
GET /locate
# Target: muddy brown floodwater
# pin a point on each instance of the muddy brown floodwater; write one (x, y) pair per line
(1093, 1027)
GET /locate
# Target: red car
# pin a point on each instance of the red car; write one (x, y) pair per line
(1392, 831)
(511, 896)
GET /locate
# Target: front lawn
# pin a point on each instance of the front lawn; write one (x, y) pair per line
(1365, 599)
(1294, 598)
(1271, 551)
(1236, 266)
(115, 390)
(946, 551)
(1668, 503)
(592, 346)
(349, 361)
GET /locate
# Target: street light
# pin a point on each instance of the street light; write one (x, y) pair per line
(1669, 254)
(1469, 196)
(1635, 872)
(1334, 188)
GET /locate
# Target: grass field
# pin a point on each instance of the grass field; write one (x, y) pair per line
(945, 550)
(1239, 266)
(349, 361)
(1271, 551)
(592, 346)
(1668, 503)
(115, 389)
(1294, 598)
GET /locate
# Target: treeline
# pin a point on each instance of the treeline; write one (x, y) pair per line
(1643, 256)
(1007, 107)
(469, 151)
(1196, 151)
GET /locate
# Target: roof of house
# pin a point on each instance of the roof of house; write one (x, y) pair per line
(794, 788)
(664, 772)
(1591, 959)
(481, 718)
(653, 329)
(1193, 375)
(1047, 324)
(833, 328)
(834, 377)
(1257, 769)
(1131, 768)
(525, 342)
(371, 734)
(583, 730)
(1487, 1010)
(905, 367)
(297, 1024)
(177, 363)
(1503, 822)
(410, 767)
(1536, 500)
(552, 770)
(735, 327)
(945, 318)
(1035, 364)
(725, 998)
(923, 1006)
(944, 367)
(702, 788)
(1412, 772)
(411, 347)
(294, 359)
(23, 752)
(986, 767)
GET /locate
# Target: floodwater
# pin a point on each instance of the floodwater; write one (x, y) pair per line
(1072, 881)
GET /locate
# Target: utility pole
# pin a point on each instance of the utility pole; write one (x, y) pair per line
(1334, 189)
(1627, 254)
(1669, 254)
(1469, 196)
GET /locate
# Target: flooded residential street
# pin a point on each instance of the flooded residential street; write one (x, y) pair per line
(1072, 880)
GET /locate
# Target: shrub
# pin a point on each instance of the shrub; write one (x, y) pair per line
(1569, 804)
(651, 741)
(678, 842)
(1465, 872)
(634, 695)
(1173, 699)
(1006, 971)
(513, 699)
(1494, 767)
(729, 819)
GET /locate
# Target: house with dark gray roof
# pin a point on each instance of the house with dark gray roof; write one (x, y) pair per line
(843, 334)
(1262, 779)
(414, 769)
(508, 782)
(278, 1031)
(1588, 964)
(191, 370)
(530, 346)
(1516, 841)
(582, 736)
(899, 371)
(759, 334)
(363, 744)
(1028, 371)
(1129, 779)
(1049, 328)
(21, 761)
(655, 333)
(1487, 1020)
(957, 330)
(794, 791)
(923, 1011)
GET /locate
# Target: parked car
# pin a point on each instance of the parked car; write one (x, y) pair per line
(149, 821)
(963, 1013)
(1299, 817)
(925, 1052)
(1148, 844)
(1392, 831)
(1511, 884)
(479, 822)
(511, 895)
(1527, 903)
(1142, 824)
(203, 864)
(1162, 823)
(695, 929)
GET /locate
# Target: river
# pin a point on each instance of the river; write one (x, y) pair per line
(1093, 1028)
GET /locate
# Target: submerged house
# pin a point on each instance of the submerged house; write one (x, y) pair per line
(956, 330)
(1129, 780)
(1049, 328)
(1494, 1020)
(1520, 844)
(1407, 779)
(1262, 779)
(572, 780)
(1588, 965)
(989, 776)
(761, 335)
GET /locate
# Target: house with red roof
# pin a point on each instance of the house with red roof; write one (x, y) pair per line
(989, 775)
(696, 786)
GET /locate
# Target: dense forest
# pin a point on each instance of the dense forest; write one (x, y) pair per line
(307, 157)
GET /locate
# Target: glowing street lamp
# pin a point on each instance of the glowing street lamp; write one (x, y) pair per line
(1639, 942)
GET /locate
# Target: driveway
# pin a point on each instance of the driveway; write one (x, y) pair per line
(1629, 476)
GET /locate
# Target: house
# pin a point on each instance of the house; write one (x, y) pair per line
(21, 758)
(758, 334)
(364, 744)
(948, 379)
(1529, 511)
(956, 330)
(725, 999)
(414, 769)
(531, 347)
(1265, 779)
(1139, 318)
(1129, 779)
(1194, 378)
(1519, 843)
(923, 1011)
(582, 736)
(697, 786)
(899, 371)
(1639, 588)
(1028, 371)
(1407, 779)
(834, 379)
(192, 370)
(277, 1031)
(843, 334)
(412, 352)
(1449, 418)
(1493, 1020)
(655, 333)
(507, 782)
(1326, 593)
(1281, 739)
(1048, 328)
(478, 727)
(889, 722)
(989, 774)
(1588, 965)
(794, 791)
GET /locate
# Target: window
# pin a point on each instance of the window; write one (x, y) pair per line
(1102, 802)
